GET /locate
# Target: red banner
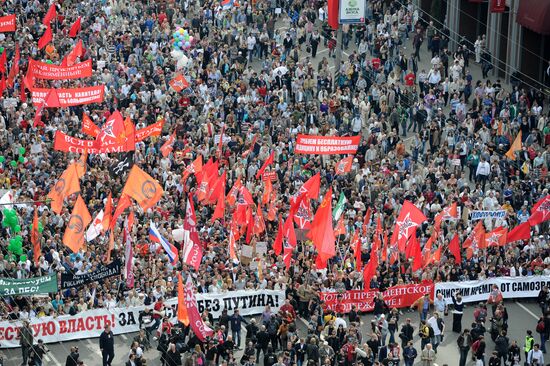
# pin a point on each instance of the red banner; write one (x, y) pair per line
(269, 176)
(153, 130)
(55, 98)
(396, 297)
(64, 142)
(8, 23)
(42, 70)
(200, 329)
(498, 6)
(326, 145)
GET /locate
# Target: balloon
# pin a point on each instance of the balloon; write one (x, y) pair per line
(21, 159)
(22, 151)
(180, 43)
(181, 31)
(191, 39)
(23, 258)
(187, 45)
(13, 163)
(2, 158)
(17, 228)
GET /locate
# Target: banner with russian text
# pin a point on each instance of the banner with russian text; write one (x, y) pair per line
(28, 286)
(69, 280)
(396, 297)
(326, 145)
(42, 70)
(55, 98)
(153, 130)
(90, 324)
(511, 288)
(482, 215)
(8, 23)
(64, 142)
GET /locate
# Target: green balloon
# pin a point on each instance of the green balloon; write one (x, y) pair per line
(22, 151)
(17, 228)
(2, 158)
(13, 163)
(21, 159)
(49, 62)
(23, 258)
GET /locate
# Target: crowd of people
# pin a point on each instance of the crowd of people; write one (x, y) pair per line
(432, 135)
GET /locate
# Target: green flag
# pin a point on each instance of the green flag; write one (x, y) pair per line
(28, 286)
(339, 208)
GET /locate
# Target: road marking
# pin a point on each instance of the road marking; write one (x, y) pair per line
(123, 336)
(527, 310)
(94, 348)
(51, 358)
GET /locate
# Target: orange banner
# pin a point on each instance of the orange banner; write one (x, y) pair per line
(8, 23)
(55, 98)
(153, 130)
(42, 70)
(64, 142)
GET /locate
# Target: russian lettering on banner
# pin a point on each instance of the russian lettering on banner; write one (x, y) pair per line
(396, 297)
(64, 142)
(42, 70)
(8, 23)
(69, 280)
(326, 145)
(153, 130)
(28, 286)
(511, 288)
(62, 98)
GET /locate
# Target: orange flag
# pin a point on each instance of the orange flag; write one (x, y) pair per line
(259, 224)
(344, 166)
(516, 146)
(123, 203)
(35, 239)
(340, 227)
(168, 146)
(272, 210)
(182, 309)
(195, 167)
(107, 213)
(66, 185)
(267, 192)
(81, 164)
(322, 233)
(74, 233)
(143, 188)
(233, 194)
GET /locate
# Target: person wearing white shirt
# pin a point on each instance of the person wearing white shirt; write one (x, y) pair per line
(483, 171)
(535, 355)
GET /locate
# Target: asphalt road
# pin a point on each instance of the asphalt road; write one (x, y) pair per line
(522, 316)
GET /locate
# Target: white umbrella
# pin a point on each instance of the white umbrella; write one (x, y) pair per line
(281, 70)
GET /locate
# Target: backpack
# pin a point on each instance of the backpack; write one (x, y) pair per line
(540, 326)
(431, 332)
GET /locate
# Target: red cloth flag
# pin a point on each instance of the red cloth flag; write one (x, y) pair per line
(46, 38)
(89, 127)
(107, 213)
(168, 146)
(50, 15)
(233, 194)
(278, 243)
(322, 233)
(356, 242)
(259, 224)
(409, 218)
(217, 189)
(540, 211)
(427, 250)
(129, 251)
(267, 162)
(182, 309)
(333, 13)
(75, 28)
(448, 213)
(192, 247)
(251, 148)
(497, 237)
(520, 232)
(123, 203)
(303, 215)
(76, 52)
(416, 253)
(267, 191)
(308, 190)
(366, 221)
(454, 248)
(370, 270)
(3, 61)
(287, 253)
(475, 241)
(200, 329)
(35, 238)
(14, 71)
(219, 192)
(179, 83)
(340, 227)
(195, 167)
(272, 210)
(413, 241)
(288, 230)
(377, 239)
(344, 166)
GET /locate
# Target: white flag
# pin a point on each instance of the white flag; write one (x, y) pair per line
(7, 199)
(95, 228)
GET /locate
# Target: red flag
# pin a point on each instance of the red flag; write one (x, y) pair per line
(219, 212)
(272, 210)
(287, 253)
(344, 166)
(49, 15)
(322, 233)
(475, 241)
(217, 189)
(308, 190)
(356, 242)
(259, 224)
(3, 61)
(366, 221)
(370, 270)
(107, 213)
(35, 238)
(267, 162)
(333, 13)
(340, 227)
(267, 191)
(413, 242)
(303, 215)
(232, 240)
(220, 143)
(14, 71)
(520, 232)
(377, 239)
(289, 233)
(427, 250)
(497, 237)
(416, 252)
(123, 203)
(195, 167)
(75, 28)
(278, 243)
(46, 38)
(192, 247)
(168, 146)
(409, 218)
(76, 52)
(200, 329)
(448, 213)
(2, 84)
(182, 309)
(249, 224)
(179, 83)
(89, 127)
(454, 248)
(540, 211)
(233, 194)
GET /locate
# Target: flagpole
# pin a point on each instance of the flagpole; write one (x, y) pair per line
(26, 202)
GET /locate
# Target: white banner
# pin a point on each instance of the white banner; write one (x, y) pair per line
(511, 287)
(90, 324)
(352, 11)
(481, 215)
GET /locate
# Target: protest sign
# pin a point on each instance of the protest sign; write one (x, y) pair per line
(69, 280)
(28, 286)
(481, 215)
(8, 23)
(326, 145)
(63, 98)
(42, 70)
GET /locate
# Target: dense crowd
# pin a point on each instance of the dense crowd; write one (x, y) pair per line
(432, 135)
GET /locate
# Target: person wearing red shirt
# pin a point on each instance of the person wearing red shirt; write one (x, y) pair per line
(409, 79)
(158, 312)
(288, 310)
(375, 63)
